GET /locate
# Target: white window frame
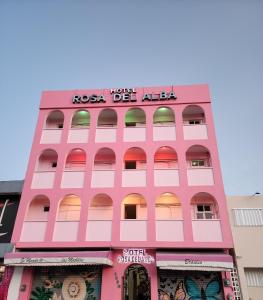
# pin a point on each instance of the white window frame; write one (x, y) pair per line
(204, 212)
(254, 277)
(247, 216)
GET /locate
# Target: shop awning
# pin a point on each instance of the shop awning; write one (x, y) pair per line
(58, 258)
(194, 261)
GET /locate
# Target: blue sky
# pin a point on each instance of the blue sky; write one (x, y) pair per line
(61, 44)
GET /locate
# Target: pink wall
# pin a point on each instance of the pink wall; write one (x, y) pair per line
(125, 181)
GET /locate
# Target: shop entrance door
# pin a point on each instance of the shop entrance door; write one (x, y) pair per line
(136, 283)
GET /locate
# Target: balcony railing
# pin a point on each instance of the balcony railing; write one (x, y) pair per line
(106, 134)
(33, 231)
(195, 132)
(66, 231)
(133, 230)
(163, 132)
(98, 230)
(166, 177)
(43, 179)
(200, 176)
(51, 136)
(169, 230)
(78, 135)
(102, 178)
(207, 230)
(134, 178)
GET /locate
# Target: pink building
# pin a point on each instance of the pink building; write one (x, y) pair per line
(123, 199)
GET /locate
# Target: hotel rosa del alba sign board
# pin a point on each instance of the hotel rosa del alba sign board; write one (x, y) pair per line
(123, 95)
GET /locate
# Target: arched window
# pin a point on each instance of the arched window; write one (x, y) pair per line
(107, 118)
(55, 120)
(193, 115)
(47, 160)
(134, 206)
(204, 206)
(134, 158)
(168, 206)
(165, 158)
(101, 208)
(198, 157)
(135, 117)
(38, 209)
(104, 159)
(76, 160)
(80, 119)
(69, 208)
(163, 116)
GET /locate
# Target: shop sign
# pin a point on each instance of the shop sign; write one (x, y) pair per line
(123, 95)
(133, 255)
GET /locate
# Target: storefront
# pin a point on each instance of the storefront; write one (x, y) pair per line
(60, 276)
(183, 276)
(125, 274)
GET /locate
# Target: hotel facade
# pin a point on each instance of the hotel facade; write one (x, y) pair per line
(123, 199)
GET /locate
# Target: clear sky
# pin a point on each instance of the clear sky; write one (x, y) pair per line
(82, 44)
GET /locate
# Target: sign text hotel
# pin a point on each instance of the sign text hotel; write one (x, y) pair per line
(123, 95)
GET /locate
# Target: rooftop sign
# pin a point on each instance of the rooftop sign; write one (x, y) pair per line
(123, 95)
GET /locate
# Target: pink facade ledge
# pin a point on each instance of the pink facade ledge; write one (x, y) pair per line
(65, 231)
(134, 178)
(78, 135)
(134, 134)
(51, 136)
(200, 176)
(207, 231)
(43, 180)
(33, 231)
(195, 132)
(98, 230)
(58, 258)
(164, 133)
(72, 179)
(166, 177)
(194, 261)
(133, 230)
(106, 135)
(164, 232)
(102, 178)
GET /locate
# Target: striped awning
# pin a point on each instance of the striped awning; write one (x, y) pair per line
(194, 261)
(58, 258)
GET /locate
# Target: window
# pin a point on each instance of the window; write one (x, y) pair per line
(194, 122)
(198, 163)
(130, 124)
(130, 164)
(248, 216)
(130, 211)
(46, 208)
(54, 164)
(204, 211)
(254, 277)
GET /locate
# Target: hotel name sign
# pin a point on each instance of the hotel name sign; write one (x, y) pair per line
(123, 95)
(135, 256)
